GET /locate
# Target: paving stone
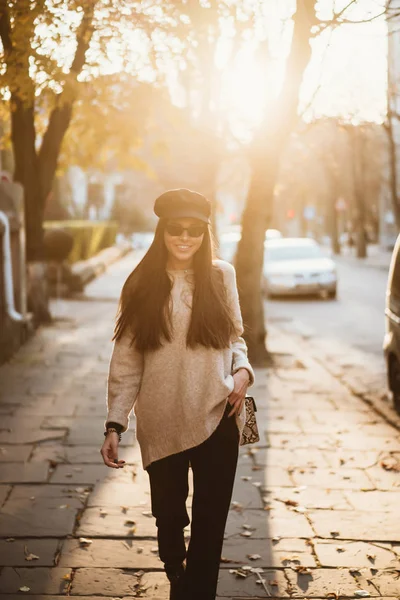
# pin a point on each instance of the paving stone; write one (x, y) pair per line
(308, 497)
(273, 554)
(232, 586)
(353, 417)
(320, 441)
(46, 406)
(28, 435)
(13, 554)
(89, 432)
(53, 597)
(96, 523)
(41, 580)
(119, 494)
(43, 492)
(79, 474)
(44, 515)
(339, 479)
(373, 500)
(322, 582)
(355, 554)
(291, 458)
(125, 554)
(357, 440)
(384, 480)
(307, 401)
(4, 491)
(265, 524)
(350, 458)
(14, 453)
(282, 426)
(17, 423)
(118, 582)
(23, 472)
(352, 525)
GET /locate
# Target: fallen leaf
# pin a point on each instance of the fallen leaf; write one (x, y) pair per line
(124, 509)
(340, 549)
(147, 513)
(371, 557)
(246, 533)
(302, 570)
(85, 541)
(10, 539)
(239, 573)
(334, 533)
(253, 556)
(362, 594)
(24, 588)
(62, 506)
(130, 522)
(289, 502)
(67, 577)
(29, 556)
(390, 464)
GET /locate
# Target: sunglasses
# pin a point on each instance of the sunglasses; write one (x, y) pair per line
(193, 231)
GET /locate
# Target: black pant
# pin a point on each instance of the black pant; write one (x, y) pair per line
(214, 466)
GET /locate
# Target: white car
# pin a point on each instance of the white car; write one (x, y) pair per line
(297, 266)
(229, 241)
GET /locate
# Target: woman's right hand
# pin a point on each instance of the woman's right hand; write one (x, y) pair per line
(109, 451)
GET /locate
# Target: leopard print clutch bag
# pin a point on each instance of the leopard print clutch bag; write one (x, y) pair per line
(250, 433)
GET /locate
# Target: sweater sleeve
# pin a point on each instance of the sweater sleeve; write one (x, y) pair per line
(239, 348)
(124, 379)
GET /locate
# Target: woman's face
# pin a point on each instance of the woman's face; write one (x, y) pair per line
(182, 239)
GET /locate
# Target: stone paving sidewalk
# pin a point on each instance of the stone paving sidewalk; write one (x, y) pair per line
(315, 511)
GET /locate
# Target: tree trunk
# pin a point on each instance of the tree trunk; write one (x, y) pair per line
(27, 173)
(358, 173)
(333, 222)
(266, 153)
(393, 170)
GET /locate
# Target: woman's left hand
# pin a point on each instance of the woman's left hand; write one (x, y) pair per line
(237, 396)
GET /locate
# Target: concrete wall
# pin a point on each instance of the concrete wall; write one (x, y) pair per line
(12, 333)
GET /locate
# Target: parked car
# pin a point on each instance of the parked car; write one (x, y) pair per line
(391, 343)
(228, 245)
(273, 234)
(297, 266)
(229, 241)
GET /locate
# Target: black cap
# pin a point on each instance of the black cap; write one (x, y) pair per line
(181, 203)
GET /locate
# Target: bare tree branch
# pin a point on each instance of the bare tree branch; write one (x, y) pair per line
(339, 19)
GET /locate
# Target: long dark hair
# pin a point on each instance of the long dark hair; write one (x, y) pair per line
(145, 308)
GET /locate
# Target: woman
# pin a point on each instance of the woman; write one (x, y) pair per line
(179, 360)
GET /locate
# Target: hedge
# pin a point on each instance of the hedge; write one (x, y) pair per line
(89, 236)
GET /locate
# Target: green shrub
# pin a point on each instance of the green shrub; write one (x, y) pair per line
(89, 236)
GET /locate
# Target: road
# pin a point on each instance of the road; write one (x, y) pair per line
(355, 320)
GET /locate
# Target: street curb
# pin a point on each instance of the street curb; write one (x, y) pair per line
(87, 270)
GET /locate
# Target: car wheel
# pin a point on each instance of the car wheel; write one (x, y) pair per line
(332, 294)
(394, 380)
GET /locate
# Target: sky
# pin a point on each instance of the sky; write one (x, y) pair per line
(346, 75)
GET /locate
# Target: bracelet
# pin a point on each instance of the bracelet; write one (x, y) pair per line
(113, 429)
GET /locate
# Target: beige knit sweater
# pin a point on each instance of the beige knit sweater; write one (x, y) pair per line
(179, 394)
